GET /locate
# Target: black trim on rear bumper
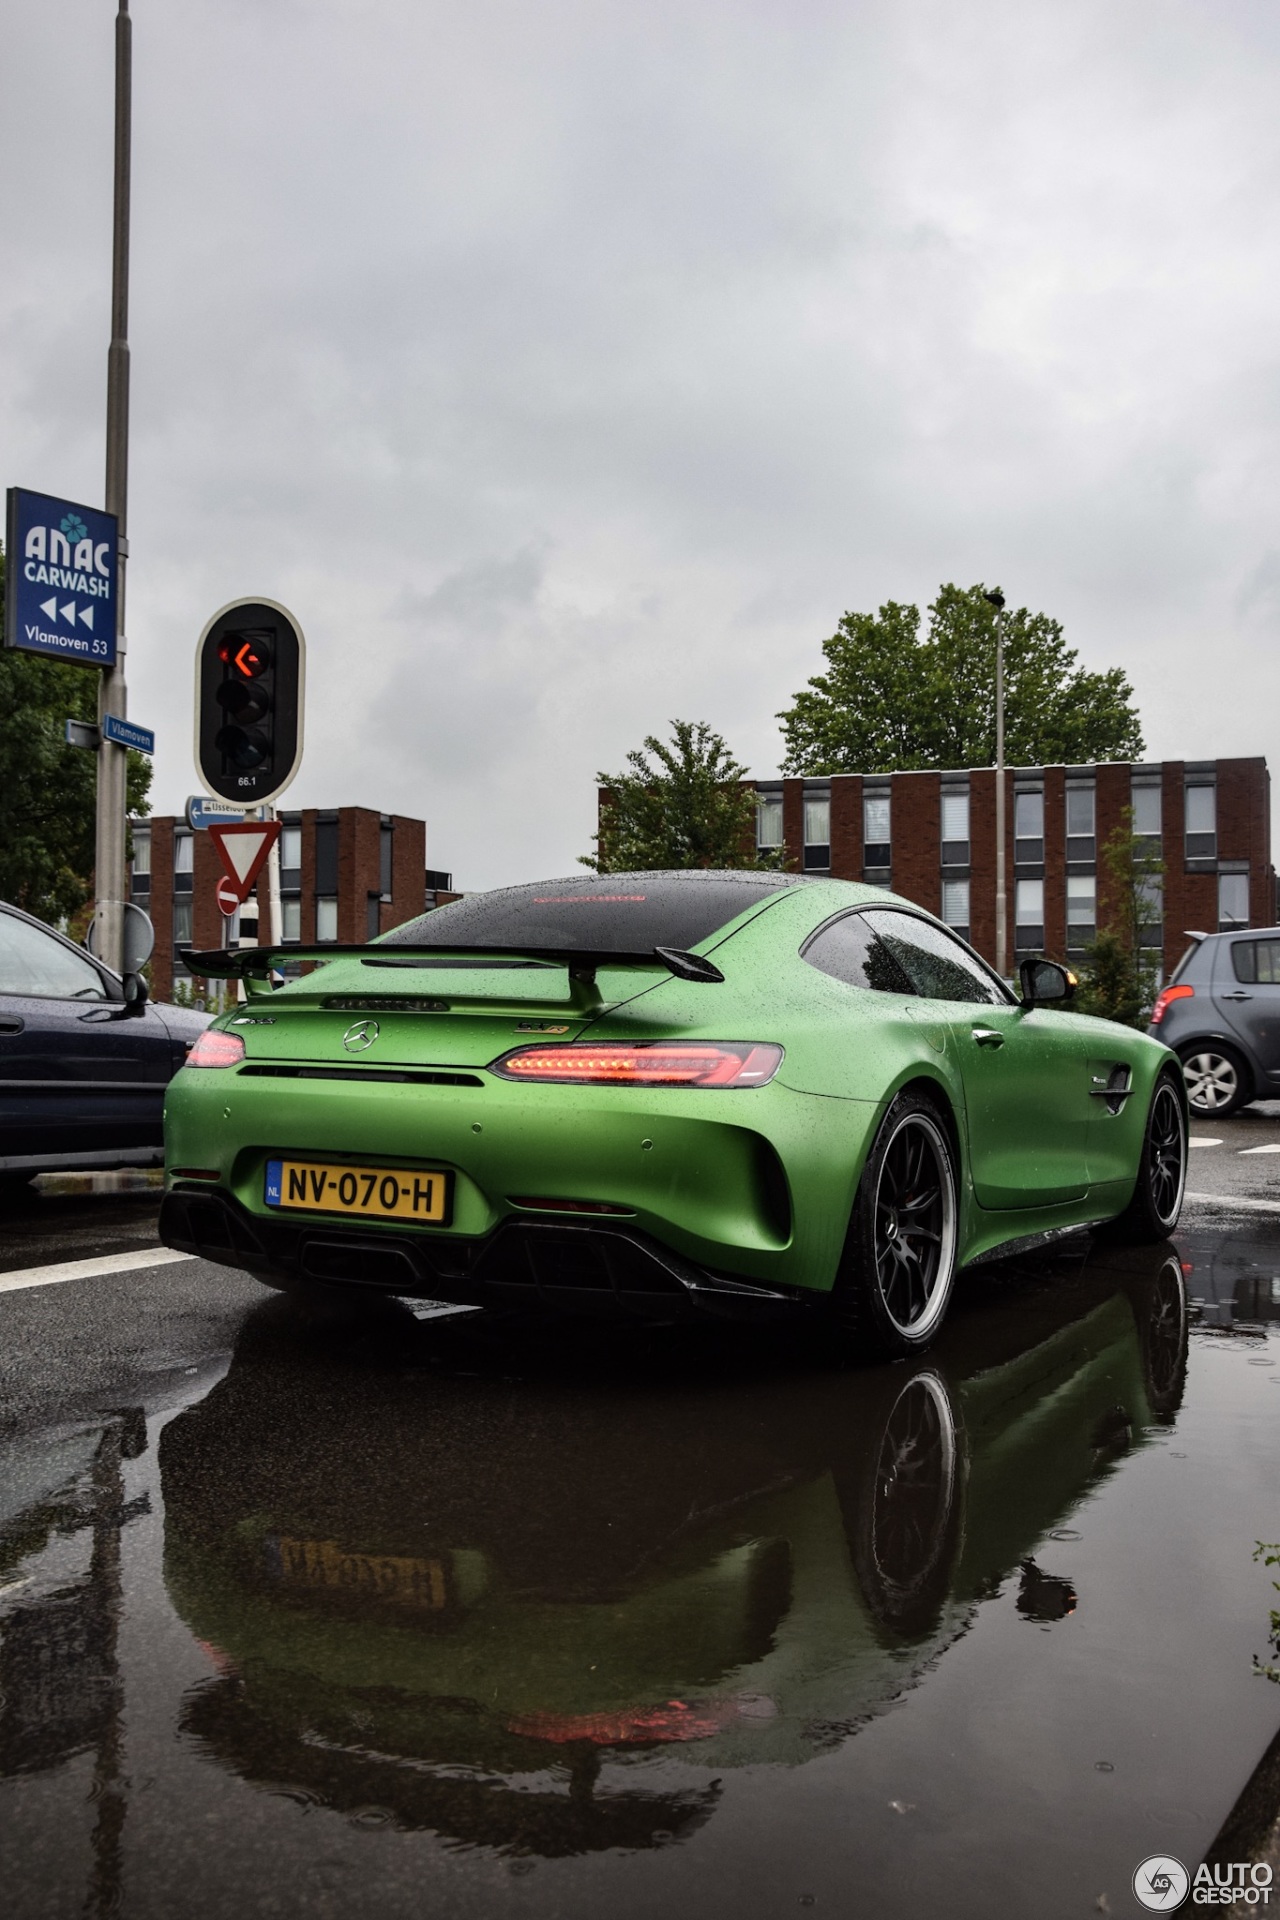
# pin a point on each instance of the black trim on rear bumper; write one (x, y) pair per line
(596, 1270)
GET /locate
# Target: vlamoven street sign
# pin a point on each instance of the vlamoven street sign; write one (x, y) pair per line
(62, 579)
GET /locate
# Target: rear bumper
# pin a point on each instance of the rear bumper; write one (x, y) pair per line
(570, 1270)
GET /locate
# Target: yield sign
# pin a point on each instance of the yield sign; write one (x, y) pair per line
(243, 847)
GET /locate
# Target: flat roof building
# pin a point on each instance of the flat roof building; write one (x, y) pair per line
(931, 838)
(345, 875)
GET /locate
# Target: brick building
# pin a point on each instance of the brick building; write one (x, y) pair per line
(345, 875)
(931, 837)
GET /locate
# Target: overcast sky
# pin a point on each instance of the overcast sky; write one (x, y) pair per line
(568, 368)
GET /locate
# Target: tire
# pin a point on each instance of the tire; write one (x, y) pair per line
(1217, 1078)
(1152, 1214)
(899, 1264)
(903, 1519)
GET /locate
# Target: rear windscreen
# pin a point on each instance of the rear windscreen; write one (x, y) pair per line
(609, 913)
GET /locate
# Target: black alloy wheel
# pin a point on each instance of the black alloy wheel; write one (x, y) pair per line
(903, 1554)
(900, 1257)
(1152, 1213)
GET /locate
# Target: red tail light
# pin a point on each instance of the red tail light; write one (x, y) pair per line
(653, 1063)
(216, 1049)
(1165, 998)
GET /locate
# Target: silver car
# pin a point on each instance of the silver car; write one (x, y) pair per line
(1221, 1015)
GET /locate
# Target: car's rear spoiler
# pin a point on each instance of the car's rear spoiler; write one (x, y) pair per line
(258, 963)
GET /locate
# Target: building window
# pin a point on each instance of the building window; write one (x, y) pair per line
(373, 916)
(231, 928)
(817, 832)
(1028, 828)
(1028, 915)
(769, 822)
(1233, 897)
(955, 830)
(1081, 831)
(1146, 801)
(386, 844)
(1151, 910)
(291, 853)
(182, 923)
(183, 861)
(326, 856)
(142, 853)
(955, 905)
(1082, 909)
(291, 919)
(877, 830)
(326, 919)
(1202, 823)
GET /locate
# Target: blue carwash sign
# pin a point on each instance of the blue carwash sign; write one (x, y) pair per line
(62, 566)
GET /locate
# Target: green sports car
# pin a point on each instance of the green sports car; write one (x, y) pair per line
(661, 1094)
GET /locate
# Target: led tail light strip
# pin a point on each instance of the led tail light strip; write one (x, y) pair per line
(650, 1063)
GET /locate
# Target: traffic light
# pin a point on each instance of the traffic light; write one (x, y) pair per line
(249, 684)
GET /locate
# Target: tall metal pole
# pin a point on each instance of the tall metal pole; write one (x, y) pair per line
(112, 698)
(1002, 886)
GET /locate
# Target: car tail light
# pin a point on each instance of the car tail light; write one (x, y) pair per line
(216, 1049)
(1165, 998)
(651, 1063)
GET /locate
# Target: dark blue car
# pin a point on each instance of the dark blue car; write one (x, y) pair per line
(84, 1058)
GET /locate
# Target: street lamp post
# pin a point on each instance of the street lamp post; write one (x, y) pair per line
(996, 599)
(112, 699)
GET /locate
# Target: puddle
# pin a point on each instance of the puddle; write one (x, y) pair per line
(491, 1621)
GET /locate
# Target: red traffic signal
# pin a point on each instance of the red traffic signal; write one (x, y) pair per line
(249, 684)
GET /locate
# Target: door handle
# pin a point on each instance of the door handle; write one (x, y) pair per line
(1237, 996)
(988, 1036)
(11, 1023)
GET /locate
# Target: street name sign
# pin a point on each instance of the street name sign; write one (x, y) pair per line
(243, 851)
(202, 812)
(63, 579)
(126, 734)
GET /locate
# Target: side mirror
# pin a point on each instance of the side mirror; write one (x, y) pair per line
(135, 995)
(1045, 984)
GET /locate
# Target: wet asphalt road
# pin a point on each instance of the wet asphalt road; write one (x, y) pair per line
(439, 1616)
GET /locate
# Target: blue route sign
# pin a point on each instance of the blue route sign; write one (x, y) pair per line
(125, 734)
(62, 579)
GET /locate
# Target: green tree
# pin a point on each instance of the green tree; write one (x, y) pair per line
(893, 696)
(49, 800)
(1119, 976)
(677, 805)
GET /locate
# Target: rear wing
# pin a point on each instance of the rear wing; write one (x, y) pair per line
(255, 965)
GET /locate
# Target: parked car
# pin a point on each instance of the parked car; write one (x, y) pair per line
(541, 1095)
(1221, 1015)
(85, 1057)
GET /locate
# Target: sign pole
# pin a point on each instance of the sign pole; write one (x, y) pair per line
(112, 698)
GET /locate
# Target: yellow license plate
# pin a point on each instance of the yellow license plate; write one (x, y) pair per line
(372, 1193)
(416, 1584)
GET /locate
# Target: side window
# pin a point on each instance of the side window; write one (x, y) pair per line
(1257, 962)
(33, 962)
(937, 966)
(849, 950)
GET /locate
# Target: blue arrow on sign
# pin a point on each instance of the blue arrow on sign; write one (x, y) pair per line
(125, 734)
(63, 567)
(201, 811)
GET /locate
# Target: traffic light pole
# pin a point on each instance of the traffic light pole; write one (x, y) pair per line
(109, 863)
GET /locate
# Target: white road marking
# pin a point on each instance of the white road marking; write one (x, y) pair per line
(54, 1275)
(1234, 1201)
(1275, 1149)
(1193, 1142)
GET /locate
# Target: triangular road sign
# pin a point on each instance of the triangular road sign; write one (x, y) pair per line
(243, 847)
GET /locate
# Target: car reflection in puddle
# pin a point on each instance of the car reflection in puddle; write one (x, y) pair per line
(443, 1598)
